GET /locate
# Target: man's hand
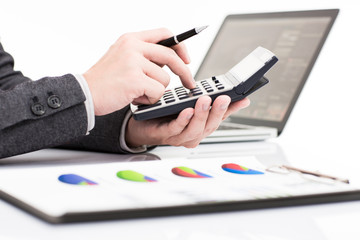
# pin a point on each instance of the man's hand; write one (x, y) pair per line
(131, 71)
(188, 129)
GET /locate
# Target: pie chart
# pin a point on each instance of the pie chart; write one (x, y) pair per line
(75, 180)
(237, 169)
(134, 176)
(188, 172)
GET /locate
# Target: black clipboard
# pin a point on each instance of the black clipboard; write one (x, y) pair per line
(203, 208)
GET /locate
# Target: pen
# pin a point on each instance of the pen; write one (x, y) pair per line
(181, 37)
(315, 174)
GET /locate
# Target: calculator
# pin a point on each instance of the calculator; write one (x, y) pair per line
(240, 81)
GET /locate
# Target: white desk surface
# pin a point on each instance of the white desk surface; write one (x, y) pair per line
(324, 221)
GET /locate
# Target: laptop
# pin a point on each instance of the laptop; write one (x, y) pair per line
(296, 38)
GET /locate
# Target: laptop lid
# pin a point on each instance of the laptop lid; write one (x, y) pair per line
(296, 38)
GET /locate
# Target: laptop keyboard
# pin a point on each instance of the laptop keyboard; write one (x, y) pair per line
(229, 127)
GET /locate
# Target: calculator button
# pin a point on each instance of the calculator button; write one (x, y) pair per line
(197, 93)
(220, 86)
(195, 89)
(183, 97)
(142, 107)
(181, 91)
(170, 100)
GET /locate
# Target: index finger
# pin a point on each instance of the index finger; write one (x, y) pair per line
(166, 56)
(182, 52)
(154, 36)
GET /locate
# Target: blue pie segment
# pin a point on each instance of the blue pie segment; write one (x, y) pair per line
(75, 180)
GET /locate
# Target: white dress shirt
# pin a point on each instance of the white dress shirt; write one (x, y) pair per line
(91, 117)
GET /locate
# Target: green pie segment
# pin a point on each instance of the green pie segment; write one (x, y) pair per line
(134, 176)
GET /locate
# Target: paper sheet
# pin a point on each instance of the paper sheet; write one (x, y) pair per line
(103, 189)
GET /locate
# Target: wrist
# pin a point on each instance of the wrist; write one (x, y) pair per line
(90, 82)
(124, 132)
(89, 105)
(133, 139)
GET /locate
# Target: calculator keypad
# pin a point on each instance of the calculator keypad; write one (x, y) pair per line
(181, 93)
(168, 96)
(218, 84)
(195, 91)
(207, 86)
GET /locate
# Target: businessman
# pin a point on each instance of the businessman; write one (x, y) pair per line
(90, 111)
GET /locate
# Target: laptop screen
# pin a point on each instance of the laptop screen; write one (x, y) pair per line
(296, 39)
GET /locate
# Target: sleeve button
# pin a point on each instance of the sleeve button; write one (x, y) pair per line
(54, 101)
(38, 109)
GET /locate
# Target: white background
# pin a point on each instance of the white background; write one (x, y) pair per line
(49, 38)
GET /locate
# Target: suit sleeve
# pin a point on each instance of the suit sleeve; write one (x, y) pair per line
(38, 114)
(104, 137)
(50, 112)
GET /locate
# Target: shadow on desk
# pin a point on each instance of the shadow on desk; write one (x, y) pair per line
(268, 153)
(64, 157)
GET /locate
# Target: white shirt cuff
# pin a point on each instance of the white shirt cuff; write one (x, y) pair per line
(123, 144)
(88, 102)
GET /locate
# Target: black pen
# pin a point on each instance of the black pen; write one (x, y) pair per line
(181, 37)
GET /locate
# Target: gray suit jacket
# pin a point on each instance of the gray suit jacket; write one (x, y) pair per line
(49, 112)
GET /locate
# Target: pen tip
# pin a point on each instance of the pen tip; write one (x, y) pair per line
(199, 29)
